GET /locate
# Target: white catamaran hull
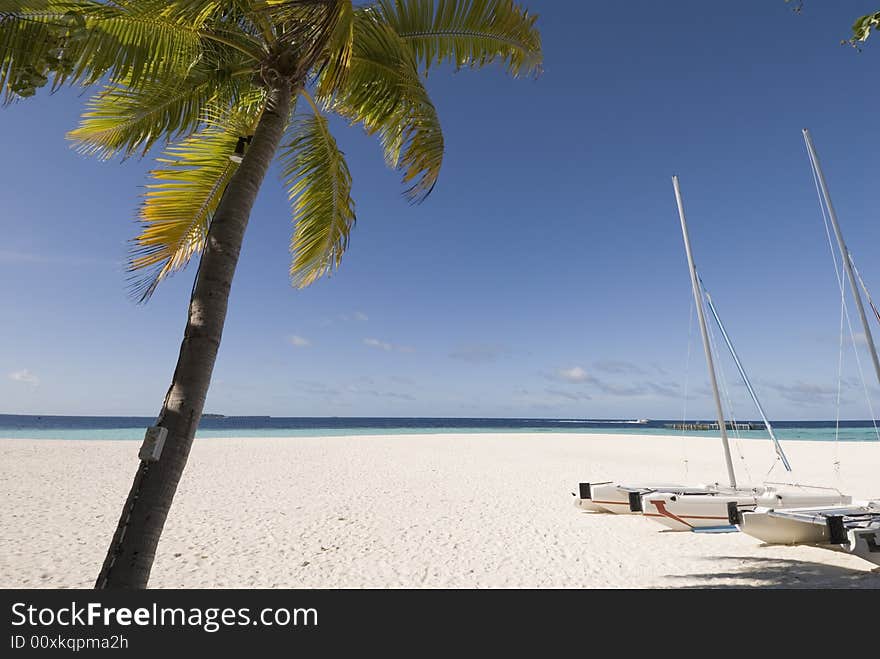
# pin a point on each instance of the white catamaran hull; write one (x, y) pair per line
(865, 543)
(691, 512)
(773, 528)
(625, 499)
(584, 498)
(854, 528)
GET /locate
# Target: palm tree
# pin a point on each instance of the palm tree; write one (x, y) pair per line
(228, 85)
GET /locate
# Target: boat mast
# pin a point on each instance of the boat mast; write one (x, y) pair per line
(698, 301)
(844, 252)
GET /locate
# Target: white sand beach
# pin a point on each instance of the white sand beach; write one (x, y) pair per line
(422, 511)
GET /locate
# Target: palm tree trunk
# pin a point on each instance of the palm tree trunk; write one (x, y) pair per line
(133, 548)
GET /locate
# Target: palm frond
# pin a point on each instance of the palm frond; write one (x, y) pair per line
(180, 202)
(33, 36)
(127, 120)
(385, 93)
(863, 27)
(305, 26)
(339, 49)
(229, 22)
(12, 6)
(262, 26)
(319, 186)
(81, 41)
(137, 43)
(468, 33)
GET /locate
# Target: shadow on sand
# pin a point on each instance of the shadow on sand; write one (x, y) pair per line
(783, 573)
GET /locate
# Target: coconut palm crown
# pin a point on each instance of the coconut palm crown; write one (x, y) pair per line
(219, 85)
(195, 76)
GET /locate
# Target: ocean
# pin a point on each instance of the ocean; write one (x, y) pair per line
(215, 426)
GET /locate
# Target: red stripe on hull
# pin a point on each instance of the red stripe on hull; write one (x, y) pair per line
(661, 506)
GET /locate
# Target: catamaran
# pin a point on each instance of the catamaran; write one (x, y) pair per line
(686, 511)
(854, 528)
(703, 506)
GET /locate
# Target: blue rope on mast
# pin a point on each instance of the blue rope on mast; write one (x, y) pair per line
(745, 378)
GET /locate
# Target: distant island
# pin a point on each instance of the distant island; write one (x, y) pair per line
(213, 416)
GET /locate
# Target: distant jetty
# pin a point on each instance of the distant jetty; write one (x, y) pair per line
(714, 426)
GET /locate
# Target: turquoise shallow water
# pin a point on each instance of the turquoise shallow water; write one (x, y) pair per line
(132, 428)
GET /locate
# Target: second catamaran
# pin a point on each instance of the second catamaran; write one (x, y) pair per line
(854, 528)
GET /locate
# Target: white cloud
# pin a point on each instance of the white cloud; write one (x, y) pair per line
(25, 376)
(299, 342)
(361, 316)
(387, 347)
(574, 374)
(579, 376)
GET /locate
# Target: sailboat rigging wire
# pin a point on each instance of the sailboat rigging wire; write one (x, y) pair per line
(770, 471)
(877, 313)
(687, 374)
(836, 451)
(843, 314)
(842, 287)
(844, 254)
(745, 378)
(725, 391)
(852, 336)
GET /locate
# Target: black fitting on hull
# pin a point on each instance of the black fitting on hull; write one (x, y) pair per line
(836, 530)
(635, 501)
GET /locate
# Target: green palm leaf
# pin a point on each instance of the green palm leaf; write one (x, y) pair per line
(80, 41)
(178, 205)
(339, 49)
(32, 34)
(122, 119)
(384, 92)
(863, 27)
(306, 25)
(319, 185)
(468, 33)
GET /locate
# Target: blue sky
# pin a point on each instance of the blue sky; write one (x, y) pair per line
(545, 275)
